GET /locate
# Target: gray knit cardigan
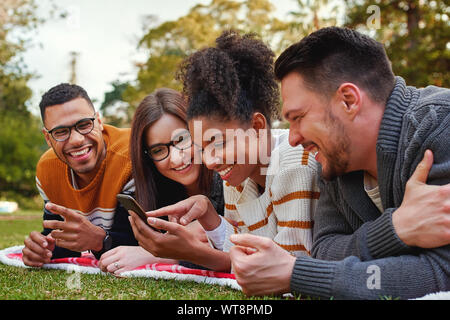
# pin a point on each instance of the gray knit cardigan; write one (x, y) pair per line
(356, 253)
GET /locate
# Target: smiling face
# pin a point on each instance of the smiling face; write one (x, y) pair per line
(314, 126)
(82, 153)
(231, 148)
(179, 164)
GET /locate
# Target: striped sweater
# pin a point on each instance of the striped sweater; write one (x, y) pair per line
(97, 201)
(284, 211)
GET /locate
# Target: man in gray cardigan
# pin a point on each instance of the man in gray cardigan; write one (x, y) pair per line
(382, 225)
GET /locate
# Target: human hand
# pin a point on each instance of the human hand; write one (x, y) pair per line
(38, 249)
(184, 212)
(179, 242)
(261, 266)
(125, 258)
(75, 233)
(423, 218)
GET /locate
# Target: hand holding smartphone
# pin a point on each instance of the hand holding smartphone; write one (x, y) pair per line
(131, 204)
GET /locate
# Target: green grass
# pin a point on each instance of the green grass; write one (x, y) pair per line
(19, 283)
(40, 284)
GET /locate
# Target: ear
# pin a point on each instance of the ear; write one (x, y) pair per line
(47, 137)
(99, 120)
(259, 121)
(349, 96)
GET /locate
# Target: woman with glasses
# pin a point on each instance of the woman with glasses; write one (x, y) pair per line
(164, 171)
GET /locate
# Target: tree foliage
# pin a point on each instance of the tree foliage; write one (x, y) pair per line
(311, 15)
(113, 109)
(170, 42)
(416, 35)
(15, 16)
(21, 142)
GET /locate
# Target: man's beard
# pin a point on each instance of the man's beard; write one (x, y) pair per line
(338, 153)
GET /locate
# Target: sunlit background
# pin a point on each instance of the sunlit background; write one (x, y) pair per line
(120, 51)
(103, 37)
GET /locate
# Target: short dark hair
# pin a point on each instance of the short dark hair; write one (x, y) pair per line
(333, 55)
(62, 93)
(232, 80)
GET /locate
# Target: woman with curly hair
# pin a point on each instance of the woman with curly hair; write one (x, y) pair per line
(270, 188)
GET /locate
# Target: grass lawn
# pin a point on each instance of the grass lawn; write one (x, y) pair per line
(24, 284)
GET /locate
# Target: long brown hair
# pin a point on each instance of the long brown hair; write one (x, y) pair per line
(153, 190)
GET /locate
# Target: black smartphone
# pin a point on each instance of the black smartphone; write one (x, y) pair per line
(131, 204)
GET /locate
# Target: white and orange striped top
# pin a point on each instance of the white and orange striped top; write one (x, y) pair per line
(284, 211)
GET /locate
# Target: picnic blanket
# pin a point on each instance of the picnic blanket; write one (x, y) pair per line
(87, 263)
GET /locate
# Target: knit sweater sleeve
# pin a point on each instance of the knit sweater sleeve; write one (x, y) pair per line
(58, 252)
(294, 194)
(370, 262)
(231, 194)
(373, 261)
(343, 266)
(425, 125)
(404, 277)
(338, 234)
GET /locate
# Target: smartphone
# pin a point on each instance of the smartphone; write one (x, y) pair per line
(131, 204)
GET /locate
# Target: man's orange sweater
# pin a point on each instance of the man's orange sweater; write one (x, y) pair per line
(97, 201)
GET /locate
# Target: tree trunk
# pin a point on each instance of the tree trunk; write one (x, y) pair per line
(413, 16)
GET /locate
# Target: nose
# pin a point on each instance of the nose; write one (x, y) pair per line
(177, 157)
(76, 138)
(210, 161)
(295, 138)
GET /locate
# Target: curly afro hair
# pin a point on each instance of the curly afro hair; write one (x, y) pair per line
(232, 80)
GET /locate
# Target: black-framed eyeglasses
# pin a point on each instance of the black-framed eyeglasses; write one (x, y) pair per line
(62, 133)
(160, 151)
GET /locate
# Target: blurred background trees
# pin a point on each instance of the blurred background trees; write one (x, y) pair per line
(416, 34)
(21, 142)
(170, 42)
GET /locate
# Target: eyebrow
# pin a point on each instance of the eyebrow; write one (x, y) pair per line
(156, 145)
(171, 140)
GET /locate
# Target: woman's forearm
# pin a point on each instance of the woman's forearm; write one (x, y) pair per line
(211, 258)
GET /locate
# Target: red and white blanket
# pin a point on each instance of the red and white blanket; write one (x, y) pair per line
(87, 263)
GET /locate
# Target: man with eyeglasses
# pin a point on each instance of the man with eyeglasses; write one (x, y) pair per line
(78, 178)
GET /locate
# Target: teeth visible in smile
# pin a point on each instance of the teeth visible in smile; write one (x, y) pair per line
(225, 171)
(182, 167)
(79, 153)
(313, 149)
